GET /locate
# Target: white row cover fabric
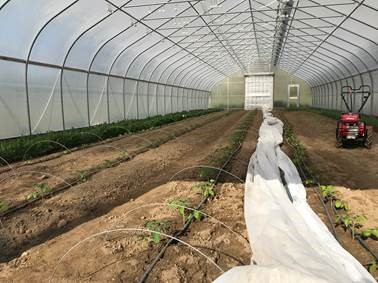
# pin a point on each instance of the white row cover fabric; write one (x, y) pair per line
(289, 241)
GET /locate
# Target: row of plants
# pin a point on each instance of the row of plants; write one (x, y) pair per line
(206, 189)
(28, 147)
(182, 207)
(352, 222)
(42, 190)
(222, 154)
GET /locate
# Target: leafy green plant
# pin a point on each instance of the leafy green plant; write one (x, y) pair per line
(328, 192)
(40, 190)
(179, 205)
(352, 222)
(299, 152)
(3, 206)
(156, 227)
(220, 156)
(109, 163)
(207, 188)
(308, 182)
(186, 214)
(340, 204)
(373, 266)
(83, 176)
(370, 233)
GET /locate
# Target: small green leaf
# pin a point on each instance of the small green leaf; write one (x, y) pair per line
(366, 234)
(197, 215)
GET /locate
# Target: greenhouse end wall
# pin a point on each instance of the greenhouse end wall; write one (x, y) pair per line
(230, 92)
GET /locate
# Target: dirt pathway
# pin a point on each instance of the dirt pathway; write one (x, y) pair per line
(350, 167)
(122, 256)
(239, 164)
(111, 187)
(17, 184)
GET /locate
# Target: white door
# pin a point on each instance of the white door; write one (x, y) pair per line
(258, 92)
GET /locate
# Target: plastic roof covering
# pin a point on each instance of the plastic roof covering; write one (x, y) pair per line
(191, 44)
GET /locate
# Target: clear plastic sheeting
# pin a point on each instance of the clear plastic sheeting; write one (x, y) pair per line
(289, 242)
(185, 46)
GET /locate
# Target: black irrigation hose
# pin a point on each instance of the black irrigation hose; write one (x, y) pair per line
(69, 183)
(187, 224)
(305, 168)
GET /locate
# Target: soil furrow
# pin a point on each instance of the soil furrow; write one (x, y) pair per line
(111, 187)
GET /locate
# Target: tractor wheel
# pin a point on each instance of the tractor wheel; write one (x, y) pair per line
(368, 140)
(339, 140)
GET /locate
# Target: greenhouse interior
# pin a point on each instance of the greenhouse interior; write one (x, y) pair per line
(189, 141)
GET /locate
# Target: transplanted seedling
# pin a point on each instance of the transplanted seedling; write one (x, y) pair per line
(40, 190)
(370, 233)
(156, 227)
(340, 204)
(328, 192)
(186, 214)
(207, 189)
(373, 266)
(353, 222)
(83, 176)
(109, 163)
(3, 206)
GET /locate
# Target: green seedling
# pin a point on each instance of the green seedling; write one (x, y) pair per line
(353, 222)
(328, 192)
(373, 266)
(83, 176)
(3, 206)
(308, 182)
(370, 233)
(109, 163)
(186, 214)
(156, 227)
(179, 206)
(207, 189)
(340, 204)
(40, 190)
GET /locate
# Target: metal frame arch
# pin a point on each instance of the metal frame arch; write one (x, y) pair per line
(29, 55)
(69, 52)
(4, 4)
(321, 40)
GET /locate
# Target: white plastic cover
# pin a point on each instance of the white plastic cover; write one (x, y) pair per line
(289, 241)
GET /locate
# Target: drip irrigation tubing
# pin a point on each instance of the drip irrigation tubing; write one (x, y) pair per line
(305, 172)
(187, 224)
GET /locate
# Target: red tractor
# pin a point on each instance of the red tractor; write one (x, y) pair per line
(350, 128)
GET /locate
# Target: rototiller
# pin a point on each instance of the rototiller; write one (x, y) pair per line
(350, 128)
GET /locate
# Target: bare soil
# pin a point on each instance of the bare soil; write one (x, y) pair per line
(121, 256)
(61, 168)
(111, 187)
(122, 197)
(353, 167)
(352, 170)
